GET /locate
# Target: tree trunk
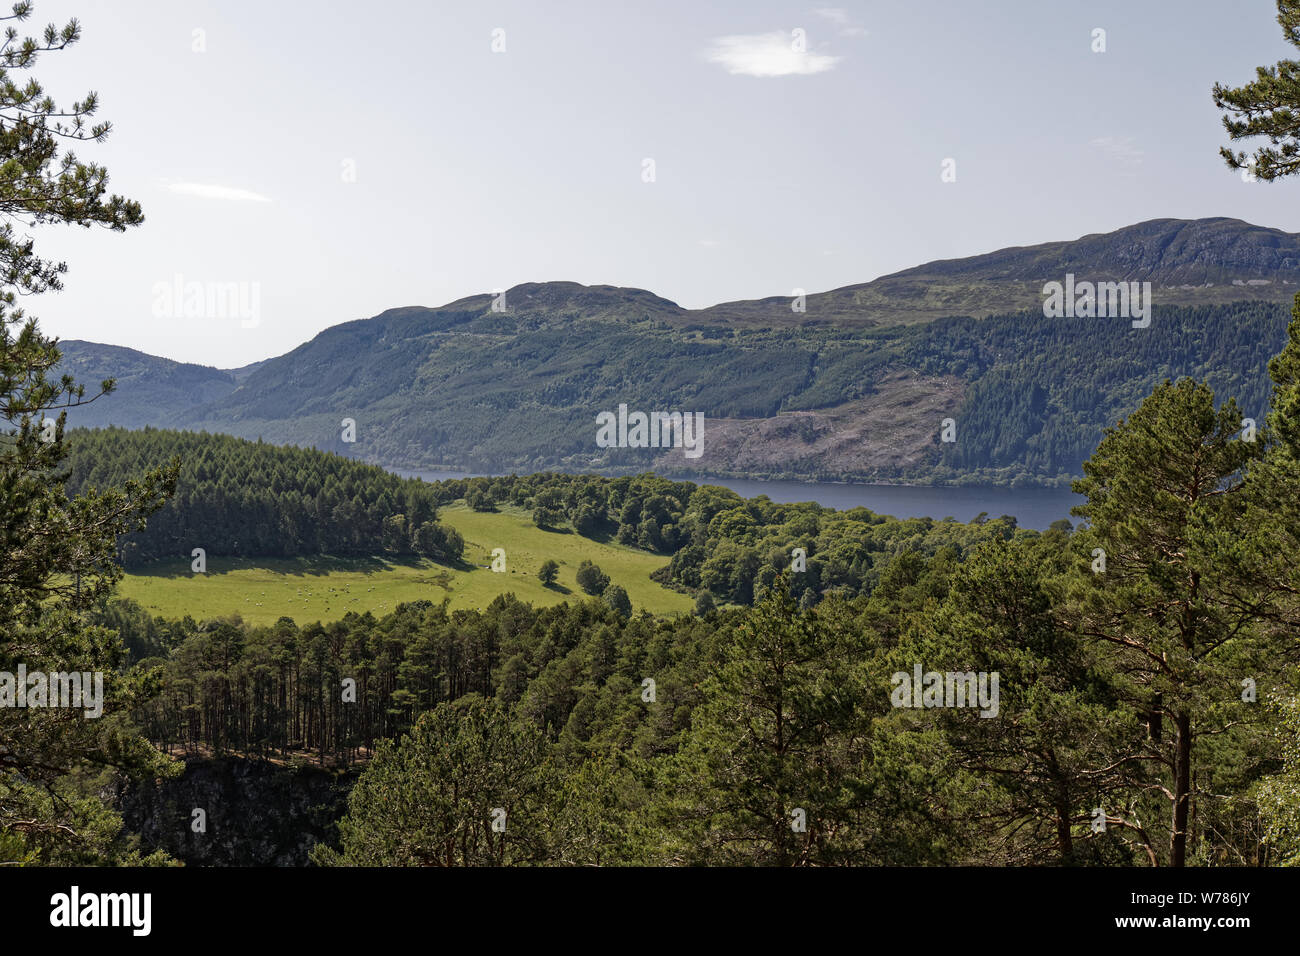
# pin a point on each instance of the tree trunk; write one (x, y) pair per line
(1064, 835)
(1182, 787)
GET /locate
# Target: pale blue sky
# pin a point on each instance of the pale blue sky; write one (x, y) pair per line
(477, 170)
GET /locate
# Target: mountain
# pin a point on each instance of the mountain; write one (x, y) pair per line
(150, 390)
(1187, 262)
(855, 388)
(241, 373)
(561, 301)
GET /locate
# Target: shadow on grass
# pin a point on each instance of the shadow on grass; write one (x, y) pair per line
(315, 565)
(601, 537)
(460, 564)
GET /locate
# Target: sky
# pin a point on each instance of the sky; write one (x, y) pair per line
(305, 164)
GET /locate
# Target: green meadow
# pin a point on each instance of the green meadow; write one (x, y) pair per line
(262, 590)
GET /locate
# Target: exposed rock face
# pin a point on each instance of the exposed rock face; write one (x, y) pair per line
(258, 813)
(890, 433)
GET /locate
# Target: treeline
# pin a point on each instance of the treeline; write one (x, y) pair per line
(250, 499)
(721, 543)
(279, 690)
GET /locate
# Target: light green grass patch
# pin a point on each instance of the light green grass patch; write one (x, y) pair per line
(262, 590)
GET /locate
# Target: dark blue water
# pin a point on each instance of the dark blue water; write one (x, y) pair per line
(1032, 507)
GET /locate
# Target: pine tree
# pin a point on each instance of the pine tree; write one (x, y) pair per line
(766, 774)
(466, 787)
(1268, 106)
(57, 555)
(1166, 495)
(1053, 751)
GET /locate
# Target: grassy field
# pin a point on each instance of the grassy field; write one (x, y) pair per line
(261, 590)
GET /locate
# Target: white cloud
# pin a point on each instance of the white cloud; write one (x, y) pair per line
(710, 243)
(840, 17)
(766, 54)
(209, 191)
(1120, 149)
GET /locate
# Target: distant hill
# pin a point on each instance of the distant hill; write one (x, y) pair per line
(150, 390)
(1187, 262)
(854, 388)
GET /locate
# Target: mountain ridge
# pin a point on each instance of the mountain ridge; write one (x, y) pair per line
(850, 389)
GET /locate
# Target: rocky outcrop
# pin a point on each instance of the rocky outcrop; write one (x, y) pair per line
(254, 813)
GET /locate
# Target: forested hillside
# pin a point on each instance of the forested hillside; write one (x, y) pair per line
(1041, 394)
(850, 388)
(1030, 395)
(150, 390)
(243, 498)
